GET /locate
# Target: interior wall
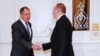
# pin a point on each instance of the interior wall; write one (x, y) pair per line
(84, 43)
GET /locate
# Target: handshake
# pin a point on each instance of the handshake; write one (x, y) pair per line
(37, 46)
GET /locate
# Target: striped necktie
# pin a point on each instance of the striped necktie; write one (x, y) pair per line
(27, 29)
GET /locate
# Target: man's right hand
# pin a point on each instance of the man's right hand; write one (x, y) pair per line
(36, 47)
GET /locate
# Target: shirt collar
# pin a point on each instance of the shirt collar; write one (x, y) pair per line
(22, 20)
(24, 23)
(59, 17)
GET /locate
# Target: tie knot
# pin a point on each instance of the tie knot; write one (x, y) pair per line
(26, 23)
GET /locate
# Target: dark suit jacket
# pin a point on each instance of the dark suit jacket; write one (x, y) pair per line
(61, 39)
(21, 41)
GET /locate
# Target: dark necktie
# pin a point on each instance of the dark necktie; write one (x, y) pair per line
(27, 29)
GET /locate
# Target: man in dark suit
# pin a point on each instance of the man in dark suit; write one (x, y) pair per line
(61, 38)
(22, 35)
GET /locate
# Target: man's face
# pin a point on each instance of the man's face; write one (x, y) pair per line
(26, 15)
(55, 13)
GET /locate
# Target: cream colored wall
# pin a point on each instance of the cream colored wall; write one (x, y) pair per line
(42, 23)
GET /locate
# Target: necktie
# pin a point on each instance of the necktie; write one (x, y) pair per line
(27, 29)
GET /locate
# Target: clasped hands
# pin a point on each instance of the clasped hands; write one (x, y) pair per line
(36, 47)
